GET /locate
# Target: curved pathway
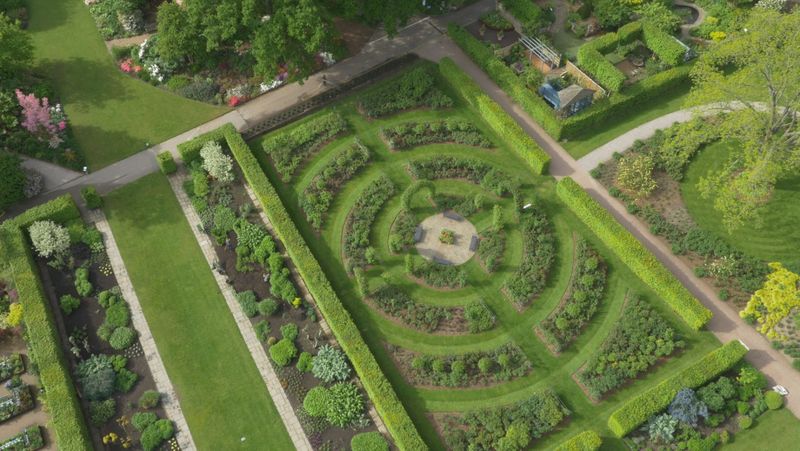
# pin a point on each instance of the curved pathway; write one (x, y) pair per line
(687, 28)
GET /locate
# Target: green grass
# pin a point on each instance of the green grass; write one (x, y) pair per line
(219, 387)
(605, 132)
(111, 114)
(548, 370)
(777, 428)
(778, 239)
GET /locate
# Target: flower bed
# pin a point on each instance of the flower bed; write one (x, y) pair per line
(483, 430)
(413, 134)
(356, 248)
(11, 365)
(491, 249)
(637, 342)
(539, 247)
(438, 275)
(475, 171)
(288, 149)
(253, 263)
(30, 439)
(472, 369)
(568, 319)
(414, 89)
(316, 199)
(398, 304)
(18, 402)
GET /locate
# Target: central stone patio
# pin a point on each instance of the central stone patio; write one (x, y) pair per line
(429, 246)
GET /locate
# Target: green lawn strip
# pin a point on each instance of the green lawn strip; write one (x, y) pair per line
(778, 239)
(220, 389)
(595, 137)
(778, 428)
(16, 258)
(111, 114)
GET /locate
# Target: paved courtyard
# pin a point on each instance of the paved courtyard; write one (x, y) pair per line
(432, 249)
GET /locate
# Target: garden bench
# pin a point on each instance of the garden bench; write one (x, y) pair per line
(419, 234)
(441, 261)
(473, 243)
(452, 215)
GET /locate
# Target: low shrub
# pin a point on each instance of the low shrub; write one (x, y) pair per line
(82, 284)
(744, 422)
(267, 307)
(330, 365)
(585, 441)
(413, 89)
(262, 330)
(397, 303)
(149, 399)
(247, 301)
(369, 441)
(91, 198)
(316, 401)
(69, 303)
(638, 409)
(166, 163)
(440, 276)
(773, 399)
(538, 255)
(469, 369)
(283, 352)
(491, 249)
(641, 261)
(125, 380)
(305, 362)
(141, 420)
(156, 434)
(289, 331)
(122, 338)
(345, 404)
(100, 412)
(479, 317)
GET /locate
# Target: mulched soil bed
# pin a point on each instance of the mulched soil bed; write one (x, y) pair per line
(91, 315)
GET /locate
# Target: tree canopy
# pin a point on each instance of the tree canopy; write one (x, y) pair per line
(16, 48)
(754, 77)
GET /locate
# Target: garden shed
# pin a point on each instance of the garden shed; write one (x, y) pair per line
(569, 100)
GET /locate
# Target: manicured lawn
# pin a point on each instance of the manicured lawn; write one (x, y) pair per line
(512, 325)
(112, 115)
(605, 132)
(220, 390)
(774, 430)
(778, 239)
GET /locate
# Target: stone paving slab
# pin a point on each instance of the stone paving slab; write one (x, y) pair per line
(169, 398)
(257, 351)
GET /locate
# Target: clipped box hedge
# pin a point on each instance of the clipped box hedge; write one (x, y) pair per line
(508, 129)
(637, 257)
(507, 80)
(66, 417)
(527, 12)
(595, 64)
(380, 391)
(166, 163)
(585, 441)
(639, 409)
(663, 44)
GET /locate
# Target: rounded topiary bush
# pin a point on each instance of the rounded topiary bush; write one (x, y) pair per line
(745, 422)
(316, 401)
(122, 338)
(118, 315)
(369, 441)
(155, 434)
(283, 352)
(69, 303)
(774, 400)
(149, 399)
(141, 420)
(267, 307)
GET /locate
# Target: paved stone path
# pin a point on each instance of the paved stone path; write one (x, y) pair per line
(169, 399)
(255, 347)
(432, 249)
(726, 324)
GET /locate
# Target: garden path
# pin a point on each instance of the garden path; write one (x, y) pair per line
(276, 392)
(169, 398)
(687, 28)
(725, 324)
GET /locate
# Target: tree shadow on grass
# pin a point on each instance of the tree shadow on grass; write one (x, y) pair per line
(46, 15)
(102, 146)
(86, 84)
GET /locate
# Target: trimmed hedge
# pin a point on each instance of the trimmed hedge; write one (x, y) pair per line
(637, 410)
(637, 257)
(506, 79)
(190, 150)
(527, 12)
(519, 141)
(166, 163)
(666, 47)
(65, 413)
(622, 103)
(595, 64)
(378, 388)
(585, 441)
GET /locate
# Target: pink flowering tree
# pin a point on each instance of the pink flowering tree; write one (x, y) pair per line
(38, 118)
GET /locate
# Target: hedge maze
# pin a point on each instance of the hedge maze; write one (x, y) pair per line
(435, 344)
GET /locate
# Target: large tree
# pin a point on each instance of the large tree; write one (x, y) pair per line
(754, 77)
(16, 48)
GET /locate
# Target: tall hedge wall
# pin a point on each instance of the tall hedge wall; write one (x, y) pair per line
(666, 47)
(519, 141)
(601, 69)
(526, 11)
(641, 261)
(380, 391)
(507, 80)
(66, 417)
(585, 441)
(637, 410)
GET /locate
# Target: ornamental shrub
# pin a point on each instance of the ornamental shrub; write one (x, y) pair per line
(149, 399)
(96, 376)
(686, 408)
(156, 434)
(125, 380)
(330, 365)
(267, 307)
(166, 163)
(118, 315)
(635, 173)
(82, 284)
(69, 303)
(122, 338)
(289, 331)
(12, 183)
(479, 317)
(247, 300)
(304, 362)
(282, 352)
(262, 330)
(91, 198)
(369, 441)
(744, 422)
(585, 441)
(345, 406)
(141, 420)
(102, 411)
(773, 399)
(218, 165)
(49, 239)
(316, 401)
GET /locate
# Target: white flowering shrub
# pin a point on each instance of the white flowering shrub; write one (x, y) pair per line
(216, 163)
(49, 239)
(775, 5)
